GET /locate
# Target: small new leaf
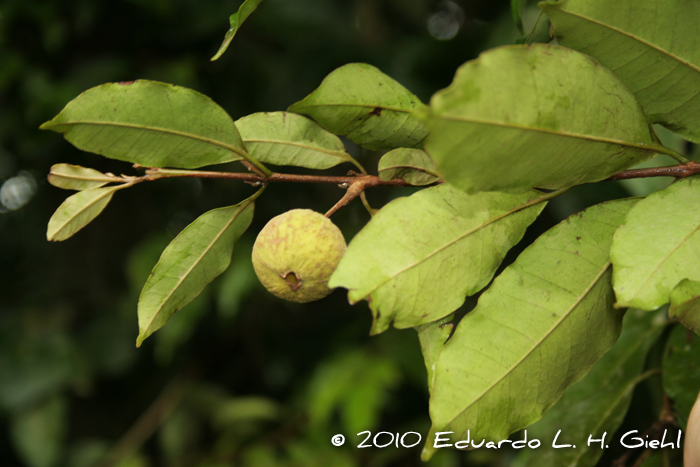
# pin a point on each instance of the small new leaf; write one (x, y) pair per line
(285, 138)
(236, 20)
(192, 260)
(75, 177)
(411, 165)
(79, 210)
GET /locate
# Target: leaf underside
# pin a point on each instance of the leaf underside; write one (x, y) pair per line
(598, 403)
(77, 211)
(653, 46)
(538, 329)
(75, 177)
(411, 165)
(149, 123)
(541, 116)
(420, 256)
(370, 108)
(200, 253)
(658, 246)
(285, 138)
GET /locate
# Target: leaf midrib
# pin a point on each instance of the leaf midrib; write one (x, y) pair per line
(109, 191)
(341, 154)
(154, 129)
(633, 37)
(455, 240)
(182, 278)
(537, 343)
(598, 139)
(663, 261)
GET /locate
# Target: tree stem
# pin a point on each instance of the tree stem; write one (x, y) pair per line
(677, 171)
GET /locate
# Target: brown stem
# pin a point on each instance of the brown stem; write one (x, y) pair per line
(354, 190)
(677, 171)
(367, 180)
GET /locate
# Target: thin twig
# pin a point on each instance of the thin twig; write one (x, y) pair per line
(677, 171)
(354, 190)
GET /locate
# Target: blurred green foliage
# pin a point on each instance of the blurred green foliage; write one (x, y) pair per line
(237, 377)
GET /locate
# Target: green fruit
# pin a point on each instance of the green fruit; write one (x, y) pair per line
(296, 253)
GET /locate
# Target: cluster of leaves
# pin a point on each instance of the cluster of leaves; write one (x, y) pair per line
(518, 126)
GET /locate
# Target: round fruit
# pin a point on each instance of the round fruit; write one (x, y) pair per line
(296, 253)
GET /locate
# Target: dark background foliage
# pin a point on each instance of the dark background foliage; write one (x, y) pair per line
(237, 377)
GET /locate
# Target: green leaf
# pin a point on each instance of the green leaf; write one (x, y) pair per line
(412, 165)
(150, 123)
(682, 371)
(653, 46)
(193, 259)
(79, 210)
(285, 138)
(38, 432)
(541, 116)
(538, 329)
(658, 246)
(432, 337)
(75, 177)
(596, 405)
(357, 383)
(370, 108)
(418, 257)
(685, 304)
(541, 30)
(236, 20)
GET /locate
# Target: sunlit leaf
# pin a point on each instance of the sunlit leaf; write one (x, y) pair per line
(685, 304)
(538, 329)
(420, 256)
(412, 165)
(285, 138)
(75, 177)
(150, 123)
(541, 116)
(79, 210)
(236, 20)
(658, 246)
(596, 405)
(682, 371)
(370, 108)
(652, 45)
(193, 259)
